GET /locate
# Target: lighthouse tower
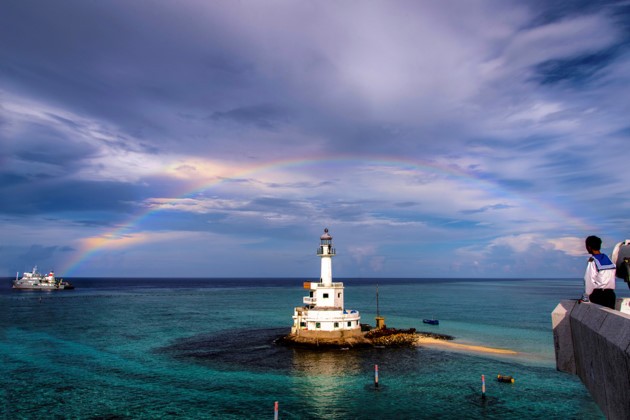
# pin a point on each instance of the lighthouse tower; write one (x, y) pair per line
(323, 315)
(326, 252)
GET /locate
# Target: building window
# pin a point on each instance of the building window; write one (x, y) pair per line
(349, 323)
(338, 295)
(302, 324)
(336, 325)
(325, 295)
(318, 325)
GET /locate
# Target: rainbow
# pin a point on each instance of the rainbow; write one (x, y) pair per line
(127, 233)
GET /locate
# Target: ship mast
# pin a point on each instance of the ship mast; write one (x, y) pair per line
(380, 321)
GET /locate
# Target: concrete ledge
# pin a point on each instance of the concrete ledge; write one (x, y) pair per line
(594, 342)
(330, 335)
(326, 339)
(562, 339)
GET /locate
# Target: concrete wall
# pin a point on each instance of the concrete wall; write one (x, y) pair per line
(593, 342)
(333, 335)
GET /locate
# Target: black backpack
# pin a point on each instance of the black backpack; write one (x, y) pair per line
(621, 258)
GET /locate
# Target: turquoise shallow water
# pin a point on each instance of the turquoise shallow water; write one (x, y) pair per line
(192, 348)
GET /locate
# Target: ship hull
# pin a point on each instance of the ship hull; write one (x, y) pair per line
(38, 287)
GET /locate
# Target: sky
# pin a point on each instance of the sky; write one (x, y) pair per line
(471, 138)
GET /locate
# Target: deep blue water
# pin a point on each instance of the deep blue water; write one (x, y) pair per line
(203, 348)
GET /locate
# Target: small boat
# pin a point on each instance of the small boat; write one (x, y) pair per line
(37, 281)
(431, 321)
(505, 378)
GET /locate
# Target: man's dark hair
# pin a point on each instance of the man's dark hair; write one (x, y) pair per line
(594, 243)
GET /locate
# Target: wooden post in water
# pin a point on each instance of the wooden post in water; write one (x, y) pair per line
(483, 387)
(376, 376)
(275, 410)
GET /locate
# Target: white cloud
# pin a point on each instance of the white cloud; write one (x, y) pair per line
(517, 243)
(569, 245)
(195, 205)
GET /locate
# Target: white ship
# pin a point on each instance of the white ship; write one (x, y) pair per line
(37, 281)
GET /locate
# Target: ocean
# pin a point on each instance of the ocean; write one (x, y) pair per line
(204, 348)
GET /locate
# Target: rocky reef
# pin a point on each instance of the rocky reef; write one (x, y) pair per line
(393, 337)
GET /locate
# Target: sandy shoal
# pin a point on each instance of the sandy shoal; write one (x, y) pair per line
(447, 344)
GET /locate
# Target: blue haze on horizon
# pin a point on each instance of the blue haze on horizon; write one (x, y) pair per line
(482, 138)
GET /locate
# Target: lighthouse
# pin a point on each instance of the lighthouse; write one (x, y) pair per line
(323, 316)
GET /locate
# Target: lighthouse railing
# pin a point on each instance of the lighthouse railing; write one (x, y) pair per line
(330, 251)
(309, 300)
(316, 285)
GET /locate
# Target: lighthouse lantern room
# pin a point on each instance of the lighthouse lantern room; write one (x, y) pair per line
(323, 314)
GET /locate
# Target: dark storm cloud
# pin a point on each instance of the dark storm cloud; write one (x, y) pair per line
(406, 204)
(623, 132)
(112, 61)
(263, 116)
(50, 197)
(95, 223)
(143, 67)
(517, 184)
(577, 70)
(621, 14)
(583, 68)
(547, 11)
(487, 208)
(43, 145)
(38, 253)
(38, 147)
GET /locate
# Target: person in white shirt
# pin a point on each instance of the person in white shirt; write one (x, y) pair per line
(599, 278)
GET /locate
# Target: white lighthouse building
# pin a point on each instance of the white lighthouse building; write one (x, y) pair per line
(323, 315)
